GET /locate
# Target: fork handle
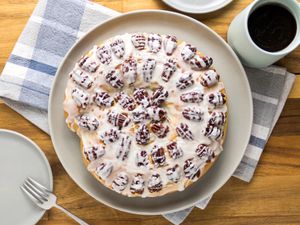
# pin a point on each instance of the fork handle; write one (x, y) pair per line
(81, 222)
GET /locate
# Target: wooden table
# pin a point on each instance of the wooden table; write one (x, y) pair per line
(272, 197)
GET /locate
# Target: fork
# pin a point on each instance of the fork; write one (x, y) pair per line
(43, 198)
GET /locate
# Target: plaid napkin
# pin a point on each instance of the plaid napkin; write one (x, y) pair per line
(55, 26)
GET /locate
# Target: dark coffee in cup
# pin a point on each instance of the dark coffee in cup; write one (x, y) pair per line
(272, 27)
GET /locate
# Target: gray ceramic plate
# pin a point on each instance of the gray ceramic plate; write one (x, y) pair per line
(197, 6)
(240, 110)
(20, 158)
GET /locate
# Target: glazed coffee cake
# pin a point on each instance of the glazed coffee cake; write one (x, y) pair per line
(150, 112)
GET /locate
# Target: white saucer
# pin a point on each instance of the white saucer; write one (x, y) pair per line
(20, 158)
(197, 6)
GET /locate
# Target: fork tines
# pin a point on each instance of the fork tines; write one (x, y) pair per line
(35, 191)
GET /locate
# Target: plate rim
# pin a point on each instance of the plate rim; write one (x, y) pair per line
(192, 20)
(220, 6)
(42, 154)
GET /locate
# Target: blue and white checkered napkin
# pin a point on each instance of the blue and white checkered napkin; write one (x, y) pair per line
(54, 27)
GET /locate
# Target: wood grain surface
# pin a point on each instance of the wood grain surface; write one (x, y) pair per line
(272, 197)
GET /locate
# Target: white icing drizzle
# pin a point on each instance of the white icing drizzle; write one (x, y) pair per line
(149, 77)
(80, 97)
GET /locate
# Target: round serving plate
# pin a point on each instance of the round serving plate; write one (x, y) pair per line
(197, 6)
(20, 158)
(240, 111)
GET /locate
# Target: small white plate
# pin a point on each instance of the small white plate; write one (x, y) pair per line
(197, 6)
(20, 158)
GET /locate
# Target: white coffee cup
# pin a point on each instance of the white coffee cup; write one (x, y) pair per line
(249, 53)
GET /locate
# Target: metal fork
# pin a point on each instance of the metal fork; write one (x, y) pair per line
(42, 197)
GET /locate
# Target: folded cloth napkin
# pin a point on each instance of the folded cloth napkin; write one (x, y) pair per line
(55, 26)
